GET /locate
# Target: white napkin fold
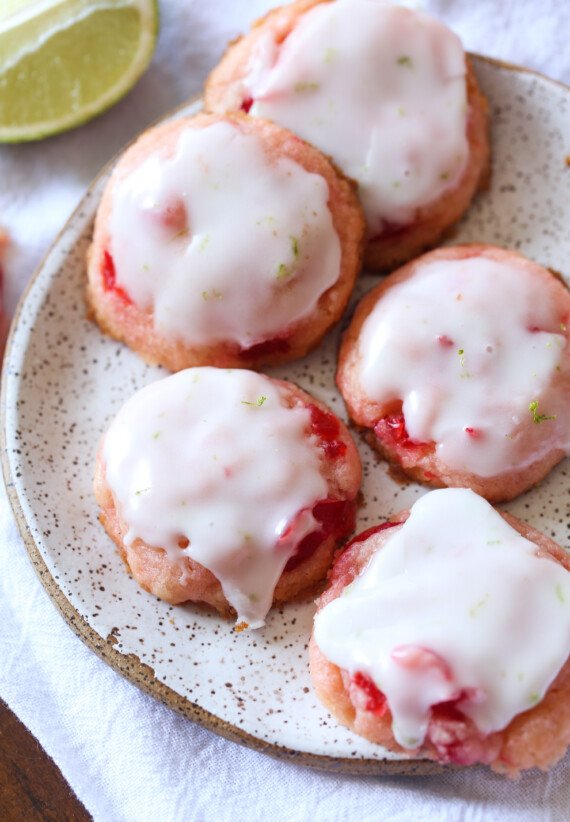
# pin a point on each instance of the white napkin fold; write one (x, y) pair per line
(125, 755)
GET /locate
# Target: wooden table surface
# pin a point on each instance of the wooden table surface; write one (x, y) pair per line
(32, 788)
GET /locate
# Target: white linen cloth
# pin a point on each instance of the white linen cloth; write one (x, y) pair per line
(126, 756)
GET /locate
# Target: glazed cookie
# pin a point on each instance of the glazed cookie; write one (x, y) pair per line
(227, 487)
(223, 240)
(387, 92)
(446, 634)
(459, 364)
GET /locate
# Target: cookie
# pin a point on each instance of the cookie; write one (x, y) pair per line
(223, 240)
(445, 633)
(458, 366)
(387, 92)
(227, 487)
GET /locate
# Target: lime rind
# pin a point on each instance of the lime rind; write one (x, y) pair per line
(81, 63)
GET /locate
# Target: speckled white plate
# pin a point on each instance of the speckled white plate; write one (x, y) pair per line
(63, 381)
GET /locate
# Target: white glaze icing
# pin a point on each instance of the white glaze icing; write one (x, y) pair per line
(381, 89)
(455, 344)
(457, 581)
(215, 456)
(257, 250)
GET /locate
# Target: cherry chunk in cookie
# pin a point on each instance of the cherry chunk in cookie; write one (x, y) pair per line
(227, 487)
(458, 365)
(446, 634)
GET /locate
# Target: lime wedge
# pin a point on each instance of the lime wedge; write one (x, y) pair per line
(64, 61)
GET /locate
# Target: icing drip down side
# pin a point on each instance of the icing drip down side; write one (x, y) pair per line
(212, 464)
(456, 606)
(230, 246)
(486, 384)
(379, 88)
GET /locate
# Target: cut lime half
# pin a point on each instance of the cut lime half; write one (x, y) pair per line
(64, 61)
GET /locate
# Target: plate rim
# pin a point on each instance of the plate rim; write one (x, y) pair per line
(129, 665)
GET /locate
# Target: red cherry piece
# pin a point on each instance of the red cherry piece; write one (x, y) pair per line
(369, 532)
(327, 427)
(109, 276)
(393, 429)
(247, 104)
(474, 433)
(335, 517)
(305, 549)
(445, 341)
(174, 217)
(388, 230)
(453, 738)
(279, 345)
(376, 701)
(416, 658)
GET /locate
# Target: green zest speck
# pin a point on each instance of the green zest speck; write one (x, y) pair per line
(560, 593)
(300, 88)
(295, 246)
(536, 417)
(406, 61)
(214, 293)
(461, 354)
(259, 401)
(282, 271)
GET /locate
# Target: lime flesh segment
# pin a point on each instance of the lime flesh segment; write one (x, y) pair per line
(77, 69)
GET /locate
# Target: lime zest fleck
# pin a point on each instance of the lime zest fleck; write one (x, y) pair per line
(258, 402)
(330, 55)
(560, 593)
(283, 271)
(141, 491)
(294, 246)
(534, 698)
(300, 88)
(536, 417)
(156, 435)
(214, 294)
(461, 353)
(204, 243)
(405, 60)
(478, 605)
(444, 175)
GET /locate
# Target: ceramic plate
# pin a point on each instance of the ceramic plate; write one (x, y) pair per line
(64, 381)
